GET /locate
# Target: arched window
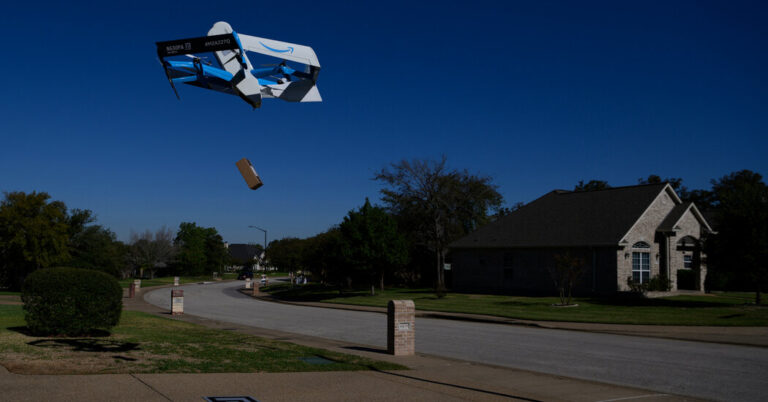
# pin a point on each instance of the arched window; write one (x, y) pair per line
(641, 263)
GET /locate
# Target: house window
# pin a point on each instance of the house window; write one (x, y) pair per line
(641, 267)
(688, 261)
(641, 244)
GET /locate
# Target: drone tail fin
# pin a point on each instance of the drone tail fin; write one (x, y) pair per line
(248, 88)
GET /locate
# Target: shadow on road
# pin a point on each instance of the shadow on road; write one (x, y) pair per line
(364, 349)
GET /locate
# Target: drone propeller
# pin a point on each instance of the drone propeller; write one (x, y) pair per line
(203, 59)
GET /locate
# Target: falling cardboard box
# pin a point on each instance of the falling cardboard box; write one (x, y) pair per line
(249, 174)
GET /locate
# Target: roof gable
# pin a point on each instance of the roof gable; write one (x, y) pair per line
(566, 219)
(674, 217)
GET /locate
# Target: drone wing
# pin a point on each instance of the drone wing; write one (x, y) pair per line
(284, 50)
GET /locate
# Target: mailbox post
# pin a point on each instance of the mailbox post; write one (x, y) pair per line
(136, 285)
(175, 281)
(401, 329)
(132, 290)
(247, 283)
(177, 302)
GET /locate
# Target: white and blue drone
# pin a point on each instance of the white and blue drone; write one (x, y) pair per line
(235, 74)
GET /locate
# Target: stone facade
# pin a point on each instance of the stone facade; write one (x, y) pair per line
(686, 241)
(644, 230)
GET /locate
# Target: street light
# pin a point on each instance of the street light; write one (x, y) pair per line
(265, 237)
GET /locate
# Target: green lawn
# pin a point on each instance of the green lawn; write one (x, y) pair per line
(143, 343)
(720, 309)
(168, 280)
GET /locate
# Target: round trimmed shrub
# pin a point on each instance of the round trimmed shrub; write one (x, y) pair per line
(71, 301)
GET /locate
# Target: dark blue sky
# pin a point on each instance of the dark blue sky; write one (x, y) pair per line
(538, 95)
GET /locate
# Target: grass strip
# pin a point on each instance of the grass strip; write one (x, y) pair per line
(143, 343)
(717, 309)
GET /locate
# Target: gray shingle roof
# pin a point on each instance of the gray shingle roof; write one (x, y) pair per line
(242, 253)
(567, 219)
(677, 212)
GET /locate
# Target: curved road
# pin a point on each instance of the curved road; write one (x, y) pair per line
(706, 370)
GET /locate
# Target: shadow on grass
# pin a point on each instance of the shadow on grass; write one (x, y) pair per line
(519, 303)
(86, 345)
(95, 333)
(642, 302)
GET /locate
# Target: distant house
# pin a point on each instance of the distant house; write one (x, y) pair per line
(243, 255)
(636, 232)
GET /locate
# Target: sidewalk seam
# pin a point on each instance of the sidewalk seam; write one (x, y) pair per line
(151, 387)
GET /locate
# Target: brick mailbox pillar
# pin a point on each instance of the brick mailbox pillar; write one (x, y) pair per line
(177, 302)
(401, 329)
(175, 281)
(247, 283)
(131, 290)
(136, 285)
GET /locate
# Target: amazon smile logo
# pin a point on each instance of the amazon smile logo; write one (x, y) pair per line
(289, 50)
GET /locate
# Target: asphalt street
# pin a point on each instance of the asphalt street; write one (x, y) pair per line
(706, 370)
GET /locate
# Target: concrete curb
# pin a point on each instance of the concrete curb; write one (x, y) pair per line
(742, 336)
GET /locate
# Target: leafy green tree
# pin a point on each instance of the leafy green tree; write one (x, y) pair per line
(592, 185)
(216, 253)
(321, 255)
(95, 247)
(34, 233)
(740, 248)
(286, 254)
(190, 243)
(200, 249)
(371, 243)
(437, 205)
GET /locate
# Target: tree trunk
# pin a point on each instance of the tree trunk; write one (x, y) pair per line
(373, 290)
(438, 282)
(381, 283)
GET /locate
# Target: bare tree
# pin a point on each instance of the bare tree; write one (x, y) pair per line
(439, 204)
(149, 249)
(566, 271)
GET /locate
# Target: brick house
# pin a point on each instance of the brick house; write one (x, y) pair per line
(635, 231)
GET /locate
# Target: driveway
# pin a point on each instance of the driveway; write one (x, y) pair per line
(715, 371)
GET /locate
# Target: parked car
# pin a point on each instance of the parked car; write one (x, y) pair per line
(245, 274)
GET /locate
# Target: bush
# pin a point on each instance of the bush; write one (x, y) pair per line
(70, 301)
(656, 284)
(659, 284)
